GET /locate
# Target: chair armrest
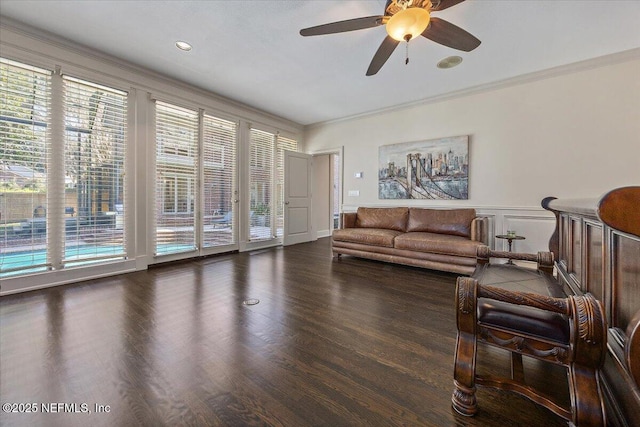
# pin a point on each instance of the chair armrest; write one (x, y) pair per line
(545, 260)
(542, 302)
(586, 314)
(349, 219)
(480, 229)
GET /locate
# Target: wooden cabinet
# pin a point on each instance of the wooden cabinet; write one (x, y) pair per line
(596, 245)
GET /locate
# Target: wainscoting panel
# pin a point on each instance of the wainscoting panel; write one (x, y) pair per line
(535, 224)
(536, 229)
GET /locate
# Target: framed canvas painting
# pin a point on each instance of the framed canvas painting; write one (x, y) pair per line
(432, 169)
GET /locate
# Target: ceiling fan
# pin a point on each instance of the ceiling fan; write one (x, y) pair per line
(404, 20)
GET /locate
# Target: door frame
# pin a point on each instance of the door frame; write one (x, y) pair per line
(339, 151)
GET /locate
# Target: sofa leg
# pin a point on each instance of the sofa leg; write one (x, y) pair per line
(335, 255)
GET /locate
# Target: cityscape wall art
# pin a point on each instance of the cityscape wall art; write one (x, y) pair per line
(432, 169)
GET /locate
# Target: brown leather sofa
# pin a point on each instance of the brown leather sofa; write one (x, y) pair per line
(438, 239)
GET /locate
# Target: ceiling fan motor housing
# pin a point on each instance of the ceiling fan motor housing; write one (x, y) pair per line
(394, 6)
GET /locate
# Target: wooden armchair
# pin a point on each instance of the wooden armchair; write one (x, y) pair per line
(568, 331)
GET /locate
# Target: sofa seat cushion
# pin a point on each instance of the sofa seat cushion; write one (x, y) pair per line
(437, 243)
(366, 236)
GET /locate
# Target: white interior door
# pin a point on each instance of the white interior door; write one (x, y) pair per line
(297, 198)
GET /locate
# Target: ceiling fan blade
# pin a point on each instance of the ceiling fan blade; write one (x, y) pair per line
(444, 4)
(343, 26)
(447, 34)
(384, 52)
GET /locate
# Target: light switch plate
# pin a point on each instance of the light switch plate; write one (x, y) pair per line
(354, 193)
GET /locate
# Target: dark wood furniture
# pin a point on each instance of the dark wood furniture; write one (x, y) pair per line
(526, 312)
(597, 247)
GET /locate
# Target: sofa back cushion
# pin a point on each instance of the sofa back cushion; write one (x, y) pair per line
(456, 222)
(389, 218)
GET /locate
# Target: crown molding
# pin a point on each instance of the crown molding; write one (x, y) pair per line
(589, 64)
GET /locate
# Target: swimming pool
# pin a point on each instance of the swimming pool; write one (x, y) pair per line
(74, 255)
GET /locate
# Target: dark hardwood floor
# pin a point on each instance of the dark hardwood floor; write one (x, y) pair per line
(332, 343)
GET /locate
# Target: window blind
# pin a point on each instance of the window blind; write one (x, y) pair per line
(95, 137)
(261, 173)
(176, 178)
(219, 172)
(25, 104)
(282, 145)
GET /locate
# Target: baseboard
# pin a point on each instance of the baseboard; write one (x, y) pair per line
(324, 233)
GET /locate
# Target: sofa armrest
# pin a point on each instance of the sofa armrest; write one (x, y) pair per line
(480, 230)
(349, 219)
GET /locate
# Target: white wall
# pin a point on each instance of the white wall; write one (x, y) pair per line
(572, 134)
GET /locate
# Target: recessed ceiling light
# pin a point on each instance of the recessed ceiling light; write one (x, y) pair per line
(183, 46)
(449, 62)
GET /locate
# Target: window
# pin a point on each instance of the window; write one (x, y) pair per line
(266, 180)
(219, 181)
(176, 175)
(95, 137)
(64, 192)
(282, 145)
(25, 102)
(181, 199)
(261, 184)
(62, 200)
(177, 195)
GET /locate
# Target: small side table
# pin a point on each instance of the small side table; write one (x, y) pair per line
(510, 239)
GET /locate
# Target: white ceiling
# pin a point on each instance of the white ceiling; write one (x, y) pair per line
(251, 51)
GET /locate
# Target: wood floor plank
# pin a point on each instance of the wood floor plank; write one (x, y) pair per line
(346, 342)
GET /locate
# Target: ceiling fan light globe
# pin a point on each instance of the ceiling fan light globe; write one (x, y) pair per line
(408, 22)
